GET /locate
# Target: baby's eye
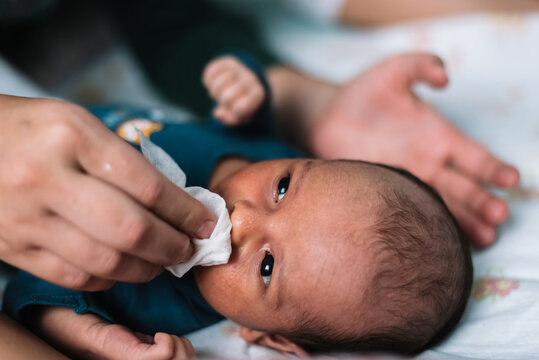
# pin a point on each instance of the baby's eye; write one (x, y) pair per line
(282, 187)
(266, 268)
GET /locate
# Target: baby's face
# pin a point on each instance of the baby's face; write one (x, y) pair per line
(297, 243)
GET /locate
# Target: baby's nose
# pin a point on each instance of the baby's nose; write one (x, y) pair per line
(245, 220)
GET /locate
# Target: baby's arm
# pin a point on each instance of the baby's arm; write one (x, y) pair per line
(88, 336)
(235, 88)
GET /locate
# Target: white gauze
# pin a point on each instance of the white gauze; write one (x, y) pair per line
(212, 251)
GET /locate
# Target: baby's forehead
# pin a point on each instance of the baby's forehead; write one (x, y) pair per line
(328, 264)
(331, 278)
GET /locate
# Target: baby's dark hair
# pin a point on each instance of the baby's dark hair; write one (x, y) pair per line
(421, 284)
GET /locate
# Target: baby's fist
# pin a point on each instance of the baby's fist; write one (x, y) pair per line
(235, 88)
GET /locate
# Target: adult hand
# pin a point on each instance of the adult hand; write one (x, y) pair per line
(377, 117)
(80, 207)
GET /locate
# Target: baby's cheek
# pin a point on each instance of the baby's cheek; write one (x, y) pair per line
(224, 288)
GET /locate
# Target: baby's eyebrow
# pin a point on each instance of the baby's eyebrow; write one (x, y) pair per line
(306, 167)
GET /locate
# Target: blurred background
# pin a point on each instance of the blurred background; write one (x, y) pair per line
(151, 53)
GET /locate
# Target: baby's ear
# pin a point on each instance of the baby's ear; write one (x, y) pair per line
(272, 341)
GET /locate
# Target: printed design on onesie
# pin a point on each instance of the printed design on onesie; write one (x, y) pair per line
(127, 130)
(493, 287)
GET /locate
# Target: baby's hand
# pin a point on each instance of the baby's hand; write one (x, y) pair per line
(236, 89)
(90, 337)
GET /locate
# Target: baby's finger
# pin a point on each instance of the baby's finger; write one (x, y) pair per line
(476, 161)
(216, 67)
(221, 83)
(225, 116)
(461, 189)
(247, 105)
(231, 94)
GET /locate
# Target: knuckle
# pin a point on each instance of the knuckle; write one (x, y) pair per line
(184, 252)
(26, 175)
(151, 272)
(77, 279)
(62, 134)
(135, 230)
(193, 217)
(110, 262)
(153, 193)
(180, 252)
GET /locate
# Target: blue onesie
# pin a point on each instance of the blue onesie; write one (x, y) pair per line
(167, 303)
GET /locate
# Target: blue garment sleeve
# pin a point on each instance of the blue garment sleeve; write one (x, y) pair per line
(168, 304)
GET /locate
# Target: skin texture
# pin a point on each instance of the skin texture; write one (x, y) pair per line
(305, 233)
(300, 231)
(80, 207)
(379, 103)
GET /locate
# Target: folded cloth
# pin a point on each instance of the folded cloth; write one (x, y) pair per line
(212, 251)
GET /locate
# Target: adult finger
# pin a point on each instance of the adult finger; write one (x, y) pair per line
(90, 255)
(52, 268)
(113, 218)
(418, 67)
(125, 168)
(476, 161)
(478, 232)
(461, 189)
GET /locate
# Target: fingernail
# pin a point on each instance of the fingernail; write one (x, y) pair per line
(509, 177)
(498, 213)
(488, 235)
(205, 230)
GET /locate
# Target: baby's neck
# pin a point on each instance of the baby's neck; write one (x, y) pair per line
(225, 168)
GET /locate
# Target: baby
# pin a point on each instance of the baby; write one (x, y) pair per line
(326, 255)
